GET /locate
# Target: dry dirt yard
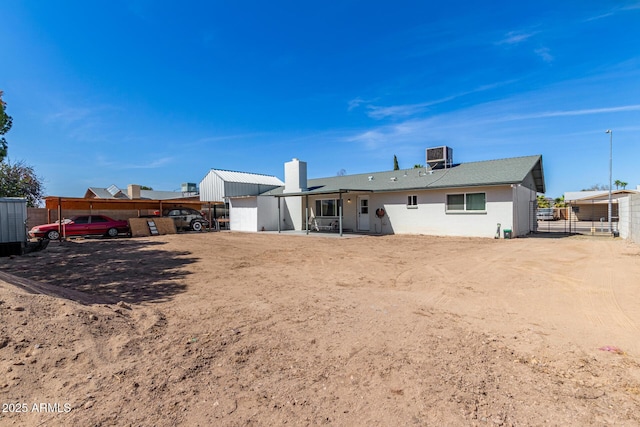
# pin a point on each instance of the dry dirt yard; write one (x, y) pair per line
(263, 329)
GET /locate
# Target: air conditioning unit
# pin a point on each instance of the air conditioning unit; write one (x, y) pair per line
(440, 157)
(189, 187)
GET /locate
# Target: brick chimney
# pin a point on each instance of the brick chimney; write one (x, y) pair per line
(133, 190)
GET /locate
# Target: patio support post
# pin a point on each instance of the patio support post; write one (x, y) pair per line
(60, 231)
(210, 221)
(279, 228)
(213, 219)
(610, 132)
(306, 213)
(340, 213)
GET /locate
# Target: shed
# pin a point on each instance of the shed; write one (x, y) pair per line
(13, 232)
(220, 184)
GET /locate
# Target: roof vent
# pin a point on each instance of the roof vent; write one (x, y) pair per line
(113, 190)
(394, 178)
(370, 177)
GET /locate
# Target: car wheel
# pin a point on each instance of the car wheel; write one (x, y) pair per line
(53, 235)
(196, 226)
(112, 232)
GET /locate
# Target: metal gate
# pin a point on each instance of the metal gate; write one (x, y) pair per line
(584, 217)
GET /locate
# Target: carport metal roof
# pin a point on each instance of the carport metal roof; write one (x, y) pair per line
(71, 203)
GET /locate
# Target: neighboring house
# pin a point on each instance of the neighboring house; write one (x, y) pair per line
(134, 191)
(468, 199)
(594, 205)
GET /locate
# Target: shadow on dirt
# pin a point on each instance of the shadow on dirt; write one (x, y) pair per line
(550, 235)
(107, 271)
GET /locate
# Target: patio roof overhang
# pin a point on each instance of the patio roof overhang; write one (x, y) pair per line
(323, 192)
(306, 194)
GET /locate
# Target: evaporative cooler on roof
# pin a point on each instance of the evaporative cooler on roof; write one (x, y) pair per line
(440, 157)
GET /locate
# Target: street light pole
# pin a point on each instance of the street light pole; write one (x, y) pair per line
(610, 132)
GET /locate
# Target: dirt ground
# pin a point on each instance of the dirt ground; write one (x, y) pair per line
(265, 329)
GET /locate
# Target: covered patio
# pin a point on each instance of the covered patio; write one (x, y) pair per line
(311, 221)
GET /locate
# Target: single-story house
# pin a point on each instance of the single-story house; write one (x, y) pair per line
(469, 199)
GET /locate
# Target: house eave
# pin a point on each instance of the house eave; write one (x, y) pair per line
(393, 190)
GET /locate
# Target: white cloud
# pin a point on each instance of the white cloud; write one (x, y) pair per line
(356, 102)
(220, 138)
(543, 53)
(397, 111)
(488, 124)
(377, 112)
(515, 37)
(147, 164)
(548, 114)
(68, 116)
(614, 11)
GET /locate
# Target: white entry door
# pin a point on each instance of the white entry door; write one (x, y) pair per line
(363, 213)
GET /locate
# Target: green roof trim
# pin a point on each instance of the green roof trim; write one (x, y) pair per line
(474, 174)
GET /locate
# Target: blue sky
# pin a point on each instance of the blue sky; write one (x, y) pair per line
(157, 93)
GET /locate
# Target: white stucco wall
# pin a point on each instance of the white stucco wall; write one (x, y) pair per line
(624, 218)
(256, 213)
(292, 213)
(523, 215)
(629, 213)
(634, 218)
(267, 218)
(430, 216)
(243, 214)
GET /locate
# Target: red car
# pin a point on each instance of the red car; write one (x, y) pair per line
(81, 225)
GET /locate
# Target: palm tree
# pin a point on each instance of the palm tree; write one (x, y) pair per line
(559, 202)
(617, 183)
(543, 202)
(624, 185)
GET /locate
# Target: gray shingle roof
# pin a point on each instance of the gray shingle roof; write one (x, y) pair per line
(491, 172)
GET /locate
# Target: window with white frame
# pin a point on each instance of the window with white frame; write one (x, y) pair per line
(327, 207)
(467, 202)
(412, 201)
